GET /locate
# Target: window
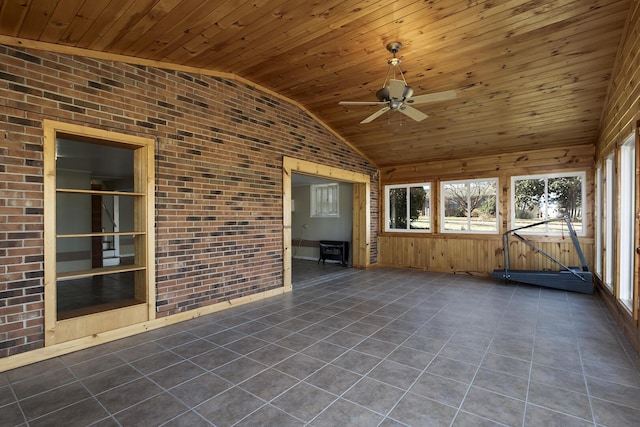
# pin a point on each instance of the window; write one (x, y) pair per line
(469, 206)
(408, 207)
(609, 220)
(627, 221)
(599, 215)
(99, 204)
(536, 198)
(324, 200)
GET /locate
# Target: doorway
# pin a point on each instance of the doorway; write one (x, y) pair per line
(99, 204)
(294, 169)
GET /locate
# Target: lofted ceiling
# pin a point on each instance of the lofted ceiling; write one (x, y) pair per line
(529, 74)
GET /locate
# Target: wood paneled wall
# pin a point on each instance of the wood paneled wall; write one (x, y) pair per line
(481, 254)
(619, 120)
(622, 106)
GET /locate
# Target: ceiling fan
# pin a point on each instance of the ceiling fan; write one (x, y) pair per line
(398, 95)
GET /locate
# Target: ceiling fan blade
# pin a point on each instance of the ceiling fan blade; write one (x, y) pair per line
(416, 115)
(361, 102)
(432, 97)
(375, 115)
(396, 89)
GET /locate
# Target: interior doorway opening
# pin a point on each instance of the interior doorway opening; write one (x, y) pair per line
(328, 204)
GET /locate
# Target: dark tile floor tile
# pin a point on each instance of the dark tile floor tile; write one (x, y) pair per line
(11, 415)
(452, 369)
(41, 383)
(120, 398)
(494, 406)
(152, 412)
(465, 419)
(344, 413)
(304, 401)
(215, 358)
(616, 393)
(324, 351)
(296, 341)
(440, 389)
(299, 366)
(611, 414)
(537, 416)
(194, 348)
(507, 365)
(499, 382)
(557, 399)
(333, 379)
(199, 389)
(246, 345)
(176, 374)
(374, 395)
(187, 419)
(411, 357)
(156, 362)
(239, 370)
(269, 384)
(83, 413)
(375, 347)
(269, 416)
(414, 410)
(229, 407)
(52, 400)
(395, 374)
(140, 351)
(271, 354)
(110, 379)
(357, 362)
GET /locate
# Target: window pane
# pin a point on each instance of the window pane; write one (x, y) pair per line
(398, 208)
(483, 206)
(456, 197)
(420, 208)
(529, 203)
(565, 199)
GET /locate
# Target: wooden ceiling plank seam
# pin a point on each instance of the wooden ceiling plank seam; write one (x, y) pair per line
(83, 20)
(119, 27)
(197, 32)
(312, 43)
(36, 19)
(13, 14)
(60, 20)
(286, 37)
(185, 27)
(204, 45)
(103, 22)
(408, 73)
(141, 27)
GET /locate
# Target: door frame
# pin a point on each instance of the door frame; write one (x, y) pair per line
(361, 236)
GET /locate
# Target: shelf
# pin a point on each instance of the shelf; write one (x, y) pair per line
(99, 271)
(102, 234)
(98, 192)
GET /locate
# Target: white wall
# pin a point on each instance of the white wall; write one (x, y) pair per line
(340, 228)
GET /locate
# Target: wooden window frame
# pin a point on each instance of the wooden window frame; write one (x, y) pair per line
(583, 176)
(443, 206)
(387, 204)
(57, 330)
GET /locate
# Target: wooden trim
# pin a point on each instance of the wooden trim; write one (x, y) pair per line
(56, 330)
(54, 350)
(361, 209)
(69, 50)
(49, 159)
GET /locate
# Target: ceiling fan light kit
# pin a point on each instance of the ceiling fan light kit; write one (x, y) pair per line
(397, 93)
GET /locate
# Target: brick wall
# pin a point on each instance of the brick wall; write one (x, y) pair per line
(218, 176)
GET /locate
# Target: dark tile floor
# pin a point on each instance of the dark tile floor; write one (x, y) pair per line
(355, 348)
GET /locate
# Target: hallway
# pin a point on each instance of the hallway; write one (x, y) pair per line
(379, 347)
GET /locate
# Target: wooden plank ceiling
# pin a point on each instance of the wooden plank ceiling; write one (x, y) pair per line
(529, 74)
